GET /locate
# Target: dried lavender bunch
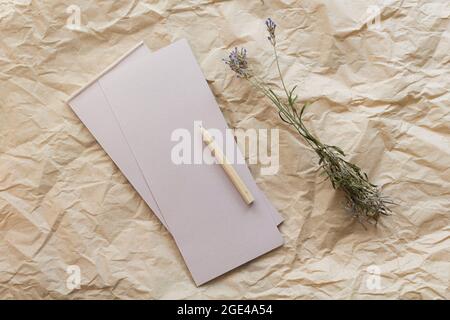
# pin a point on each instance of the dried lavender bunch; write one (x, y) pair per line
(364, 199)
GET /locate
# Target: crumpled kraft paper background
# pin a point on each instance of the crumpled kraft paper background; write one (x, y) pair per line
(380, 90)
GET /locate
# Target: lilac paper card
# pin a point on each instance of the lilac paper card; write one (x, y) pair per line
(92, 107)
(151, 96)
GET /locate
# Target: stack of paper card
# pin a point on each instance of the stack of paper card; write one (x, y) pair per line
(133, 110)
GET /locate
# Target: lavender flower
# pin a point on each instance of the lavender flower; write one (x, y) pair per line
(271, 29)
(364, 199)
(237, 60)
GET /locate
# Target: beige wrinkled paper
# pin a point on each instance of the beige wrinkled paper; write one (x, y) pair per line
(380, 91)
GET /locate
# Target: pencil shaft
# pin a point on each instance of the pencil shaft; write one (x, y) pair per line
(227, 167)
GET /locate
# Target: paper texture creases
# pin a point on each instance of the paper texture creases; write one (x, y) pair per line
(379, 92)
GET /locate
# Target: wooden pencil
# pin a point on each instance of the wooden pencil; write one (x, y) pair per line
(227, 167)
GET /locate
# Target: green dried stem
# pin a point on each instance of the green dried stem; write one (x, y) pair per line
(363, 199)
